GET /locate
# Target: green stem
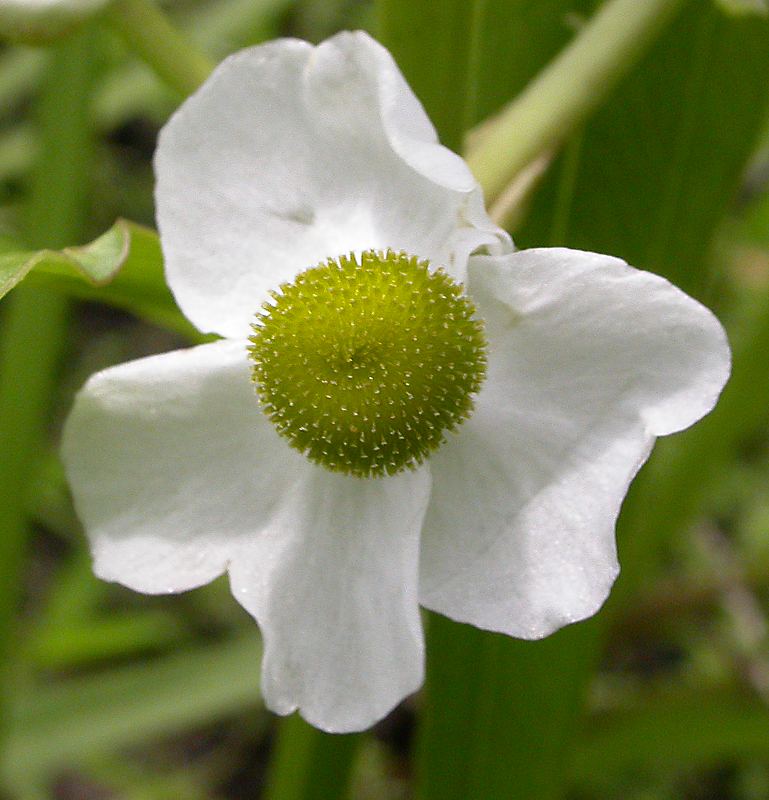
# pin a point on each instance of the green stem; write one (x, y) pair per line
(148, 32)
(310, 765)
(563, 95)
(30, 346)
(33, 321)
(447, 730)
(500, 712)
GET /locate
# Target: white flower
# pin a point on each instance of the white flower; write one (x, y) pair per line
(291, 154)
(37, 20)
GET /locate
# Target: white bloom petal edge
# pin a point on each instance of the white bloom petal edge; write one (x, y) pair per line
(590, 360)
(171, 462)
(290, 154)
(333, 586)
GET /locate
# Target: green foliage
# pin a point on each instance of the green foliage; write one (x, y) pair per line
(529, 33)
(309, 764)
(422, 35)
(123, 267)
(745, 6)
(651, 176)
(97, 262)
(669, 728)
(659, 164)
(76, 719)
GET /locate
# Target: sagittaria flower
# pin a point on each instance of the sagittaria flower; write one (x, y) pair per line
(401, 411)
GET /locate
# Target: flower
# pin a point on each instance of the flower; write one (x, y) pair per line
(291, 155)
(38, 20)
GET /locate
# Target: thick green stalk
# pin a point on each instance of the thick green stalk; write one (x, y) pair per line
(149, 33)
(563, 95)
(308, 764)
(34, 321)
(500, 712)
(30, 345)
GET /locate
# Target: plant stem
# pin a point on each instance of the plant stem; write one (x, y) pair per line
(567, 90)
(34, 321)
(308, 764)
(150, 34)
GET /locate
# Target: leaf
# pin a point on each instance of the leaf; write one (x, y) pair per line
(308, 764)
(649, 179)
(123, 267)
(466, 39)
(71, 721)
(529, 33)
(120, 634)
(422, 34)
(699, 729)
(97, 262)
(659, 164)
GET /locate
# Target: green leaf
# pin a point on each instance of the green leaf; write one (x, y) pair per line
(97, 262)
(660, 162)
(566, 92)
(34, 324)
(120, 634)
(123, 267)
(466, 39)
(699, 729)
(529, 33)
(421, 35)
(66, 723)
(650, 180)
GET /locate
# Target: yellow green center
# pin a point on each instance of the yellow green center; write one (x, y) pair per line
(364, 364)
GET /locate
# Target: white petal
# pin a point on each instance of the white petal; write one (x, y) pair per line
(589, 361)
(333, 586)
(171, 462)
(290, 154)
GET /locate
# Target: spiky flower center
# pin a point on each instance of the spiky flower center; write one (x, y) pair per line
(364, 364)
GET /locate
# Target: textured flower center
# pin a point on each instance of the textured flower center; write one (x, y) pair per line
(363, 365)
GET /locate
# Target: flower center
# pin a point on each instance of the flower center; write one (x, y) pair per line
(363, 365)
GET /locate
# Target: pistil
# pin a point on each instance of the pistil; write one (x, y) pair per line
(363, 364)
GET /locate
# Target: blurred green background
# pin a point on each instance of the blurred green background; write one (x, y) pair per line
(663, 695)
